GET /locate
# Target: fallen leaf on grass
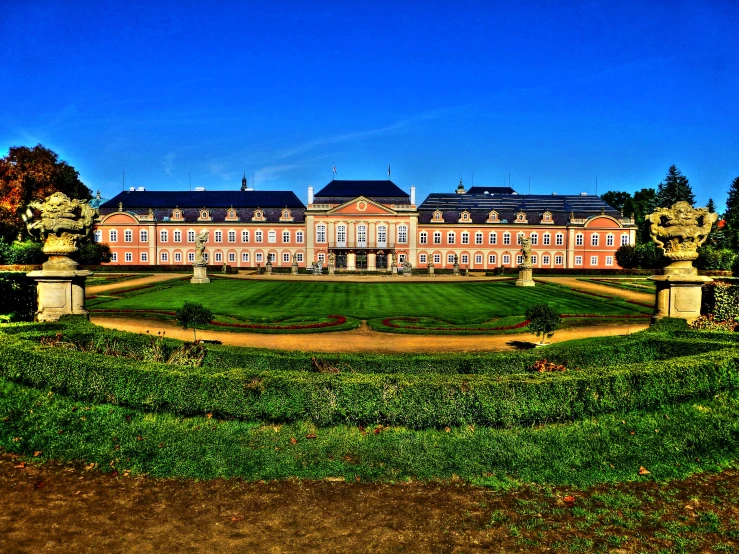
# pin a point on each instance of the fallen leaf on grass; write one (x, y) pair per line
(293, 440)
(37, 453)
(89, 466)
(569, 500)
(209, 415)
(310, 436)
(21, 465)
(447, 429)
(237, 518)
(643, 471)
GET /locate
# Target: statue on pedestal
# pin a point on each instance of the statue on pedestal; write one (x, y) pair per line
(525, 278)
(199, 266)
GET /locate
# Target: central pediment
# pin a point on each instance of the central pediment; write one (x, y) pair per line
(361, 206)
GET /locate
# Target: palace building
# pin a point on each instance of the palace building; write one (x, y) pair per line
(366, 225)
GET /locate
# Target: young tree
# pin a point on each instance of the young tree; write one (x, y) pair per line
(674, 188)
(192, 315)
(543, 321)
(711, 206)
(731, 216)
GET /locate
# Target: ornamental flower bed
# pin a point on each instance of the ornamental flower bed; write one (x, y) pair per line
(388, 322)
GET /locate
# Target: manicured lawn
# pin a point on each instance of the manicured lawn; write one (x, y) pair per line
(455, 302)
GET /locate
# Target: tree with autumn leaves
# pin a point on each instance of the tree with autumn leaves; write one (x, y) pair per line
(33, 173)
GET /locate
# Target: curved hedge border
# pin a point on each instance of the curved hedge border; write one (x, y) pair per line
(389, 322)
(416, 401)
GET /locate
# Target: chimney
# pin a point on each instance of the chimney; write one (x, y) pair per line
(310, 195)
(413, 194)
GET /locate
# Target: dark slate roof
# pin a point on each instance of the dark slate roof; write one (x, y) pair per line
(370, 189)
(204, 199)
(491, 190)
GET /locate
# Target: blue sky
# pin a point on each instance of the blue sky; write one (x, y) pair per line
(557, 92)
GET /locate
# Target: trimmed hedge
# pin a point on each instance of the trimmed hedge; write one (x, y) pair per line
(18, 294)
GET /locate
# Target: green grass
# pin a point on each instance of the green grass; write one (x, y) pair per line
(632, 284)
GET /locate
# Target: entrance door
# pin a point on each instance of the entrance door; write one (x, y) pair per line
(381, 260)
(340, 260)
(361, 260)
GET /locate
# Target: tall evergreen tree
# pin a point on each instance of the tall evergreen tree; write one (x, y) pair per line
(711, 206)
(674, 188)
(731, 216)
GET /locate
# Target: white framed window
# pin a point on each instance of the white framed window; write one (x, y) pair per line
(560, 239)
(285, 237)
(191, 256)
(451, 237)
(272, 237)
(401, 258)
(545, 260)
(478, 258)
(533, 259)
(593, 260)
(465, 258)
(128, 256)
(98, 236)
(493, 238)
(272, 257)
(450, 258)
(558, 260)
(547, 239)
(322, 257)
(258, 236)
(163, 236)
(320, 233)
(218, 236)
(144, 257)
(402, 234)
(219, 257)
(437, 258)
(578, 260)
(506, 238)
(609, 260)
(164, 256)
(113, 235)
(624, 240)
(594, 238)
(177, 236)
(492, 259)
(341, 234)
(232, 236)
(579, 239)
(534, 239)
(260, 257)
(506, 259)
(231, 256)
(299, 257)
(114, 256)
(245, 256)
(478, 237)
(299, 237)
(285, 257)
(609, 240)
(178, 256)
(362, 235)
(465, 238)
(244, 236)
(381, 235)
(519, 259)
(128, 236)
(424, 238)
(191, 236)
(437, 237)
(422, 258)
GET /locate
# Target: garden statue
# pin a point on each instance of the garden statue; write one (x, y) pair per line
(294, 266)
(455, 267)
(407, 269)
(60, 283)
(525, 278)
(331, 263)
(199, 266)
(680, 230)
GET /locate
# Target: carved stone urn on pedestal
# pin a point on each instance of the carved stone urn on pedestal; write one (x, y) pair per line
(60, 222)
(200, 266)
(525, 270)
(680, 230)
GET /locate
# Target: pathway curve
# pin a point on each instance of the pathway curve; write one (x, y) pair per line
(589, 286)
(130, 283)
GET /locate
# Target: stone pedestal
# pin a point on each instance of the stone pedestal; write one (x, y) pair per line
(294, 269)
(394, 269)
(679, 292)
(525, 278)
(331, 269)
(268, 268)
(431, 269)
(199, 274)
(60, 288)
(455, 270)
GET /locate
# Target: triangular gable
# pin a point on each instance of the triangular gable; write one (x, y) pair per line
(361, 206)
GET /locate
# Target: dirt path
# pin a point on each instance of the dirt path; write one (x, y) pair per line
(614, 292)
(130, 283)
(364, 339)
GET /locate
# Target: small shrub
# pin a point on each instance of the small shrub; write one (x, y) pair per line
(543, 320)
(192, 314)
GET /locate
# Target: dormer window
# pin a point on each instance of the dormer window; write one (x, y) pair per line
(493, 217)
(176, 213)
(258, 215)
(204, 215)
(232, 213)
(465, 217)
(521, 217)
(286, 215)
(547, 217)
(438, 216)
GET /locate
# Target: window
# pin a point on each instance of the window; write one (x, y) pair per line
(260, 258)
(258, 236)
(205, 256)
(547, 239)
(478, 258)
(320, 233)
(178, 236)
(402, 234)
(401, 258)
(519, 237)
(493, 238)
(245, 256)
(593, 260)
(272, 237)
(299, 257)
(113, 235)
(191, 236)
(163, 236)
(519, 259)
(285, 257)
(609, 260)
(533, 259)
(362, 235)
(285, 236)
(506, 238)
(98, 236)
(219, 257)
(299, 237)
(128, 256)
(560, 239)
(424, 237)
(218, 236)
(272, 257)
(191, 256)
(437, 258)
(437, 237)
(578, 240)
(506, 259)
(422, 258)
(534, 239)
(244, 236)
(624, 240)
(450, 259)
(594, 239)
(114, 257)
(545, 260)
(164, 256)
(128, 236)
(381, 235)
(609, 240)
(341, 234)
(322, 258)
(465, 259)
(232, 236)
(465, 238)
(451, 237)
(578, 260)
(557, 260)
(178, 256)
(144, 257)
(492, 259)
(231, 256)
(478, 237)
